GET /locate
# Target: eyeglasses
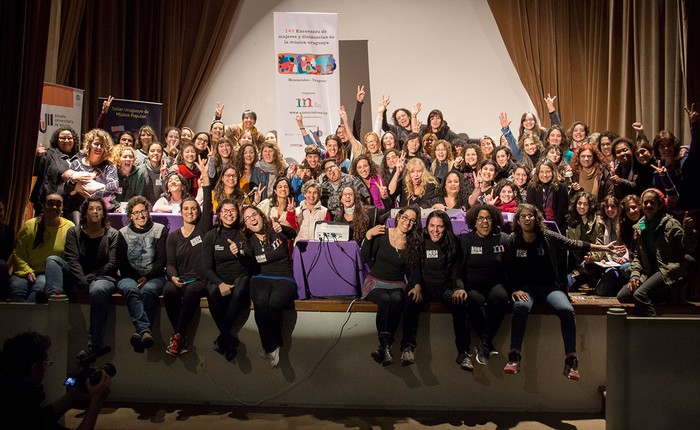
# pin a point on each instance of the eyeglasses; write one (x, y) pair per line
(229, 176)
(97, 144)
(484, 218)
(527, 216)
(408, 219)
(65, 139)
(142, 212)
(252, 216)
(329, 168)
(229, 211)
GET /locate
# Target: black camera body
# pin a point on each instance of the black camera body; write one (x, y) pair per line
(88, 371)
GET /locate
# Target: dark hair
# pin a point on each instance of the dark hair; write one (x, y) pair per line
(573, 218)
(414, 241)
(273, 192)
(372, 165)
(183, 181)
(219, 222)
(555, 182)
(666, 135)
(564, 139)
(340, 155)
(267, 229)
(436, 113)
(539, 219)
(508, 183)
(218, 161)
(168, 130)
(384, 167)
(396, 122)
(328, 160)
(462, 194)
(76, 139)
(240, 160)
(603, 202)
(609, 134)
(194, 139)
(494, 211)
(149, 130)
(360, 220)
(479, 154)
(40, 226)
(220, 194)
(199, 210)
(397, 142)
(449, 242)
(138, 200)
(84, 211)
(251, 113)
(21, 352)
(536, 129)
(570, 131)
(410, 137)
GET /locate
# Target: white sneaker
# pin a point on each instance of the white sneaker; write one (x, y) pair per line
(274, 358)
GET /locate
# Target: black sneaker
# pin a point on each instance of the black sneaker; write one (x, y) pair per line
(513, 365)
(466, 363)
(482, 356)
(136, 343)
(571, 368)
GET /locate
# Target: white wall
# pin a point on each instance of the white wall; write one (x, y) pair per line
(447, 54)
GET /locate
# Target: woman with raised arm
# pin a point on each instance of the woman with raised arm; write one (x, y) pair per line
(529, 124)
(401, 122)
(228, 272)
(395, 254)
(274, 288)
(186, 286)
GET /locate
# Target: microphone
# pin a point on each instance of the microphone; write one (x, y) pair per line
(252, 192)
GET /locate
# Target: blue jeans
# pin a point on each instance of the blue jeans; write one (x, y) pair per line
(50, 282)
(141, 302)
(101, 291)
(562, 307)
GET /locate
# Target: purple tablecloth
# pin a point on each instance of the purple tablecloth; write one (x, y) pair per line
(327, 269)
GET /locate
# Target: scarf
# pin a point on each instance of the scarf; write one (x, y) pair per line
(589, 179)
(192, 177)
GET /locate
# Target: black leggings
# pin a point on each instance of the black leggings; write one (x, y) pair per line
(181, 303)
(270, 297)
(226, 309)
(487, 306)
(389, 304)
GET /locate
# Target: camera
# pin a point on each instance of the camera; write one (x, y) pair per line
(87, 371)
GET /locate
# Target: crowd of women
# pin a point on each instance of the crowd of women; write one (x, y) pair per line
(619, 203)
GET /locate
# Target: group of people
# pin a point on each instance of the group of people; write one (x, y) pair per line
(619, 204)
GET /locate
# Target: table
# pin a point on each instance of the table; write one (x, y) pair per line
(328, 269)
(171, 221)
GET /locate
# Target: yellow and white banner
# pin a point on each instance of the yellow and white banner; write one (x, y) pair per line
(306, 57)
(60, 107)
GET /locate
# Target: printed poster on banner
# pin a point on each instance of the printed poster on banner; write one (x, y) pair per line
(308, 83)
(60, 107)
(131, 115)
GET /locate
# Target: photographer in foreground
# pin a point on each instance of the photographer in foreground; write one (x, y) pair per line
(23, 365)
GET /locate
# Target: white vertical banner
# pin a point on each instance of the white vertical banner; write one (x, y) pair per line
(306, 56)
(60, 107)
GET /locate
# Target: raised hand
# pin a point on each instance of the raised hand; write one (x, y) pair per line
(688, 221)
(384, 103)
(503, 118)
(232, 247)
(550, 102)
(361, 93)
(218, 112)
(637, 126)
(416, 109)
(106, 104)
(693, 116)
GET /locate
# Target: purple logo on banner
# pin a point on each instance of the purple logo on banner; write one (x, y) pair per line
(131, 115)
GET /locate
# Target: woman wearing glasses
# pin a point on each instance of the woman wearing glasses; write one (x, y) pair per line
(531, 256)
(395, 254)
(141, 260)
(53, 164)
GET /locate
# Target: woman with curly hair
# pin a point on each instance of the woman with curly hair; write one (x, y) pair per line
(360, 217)
(92, 174)
(391, 171)
(590, 172)
(484, 183)
(395, 255)
(175, 191)
(480, 281)
(617, 272)
(364, 168)
(577, 134)
(274, 288)
(270, 167)
(469, 164)
(548, 194)
(51, 167)
(227, 187)
(453, 193)
(419, 186)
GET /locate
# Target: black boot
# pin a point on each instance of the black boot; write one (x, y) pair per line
(383, 354)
